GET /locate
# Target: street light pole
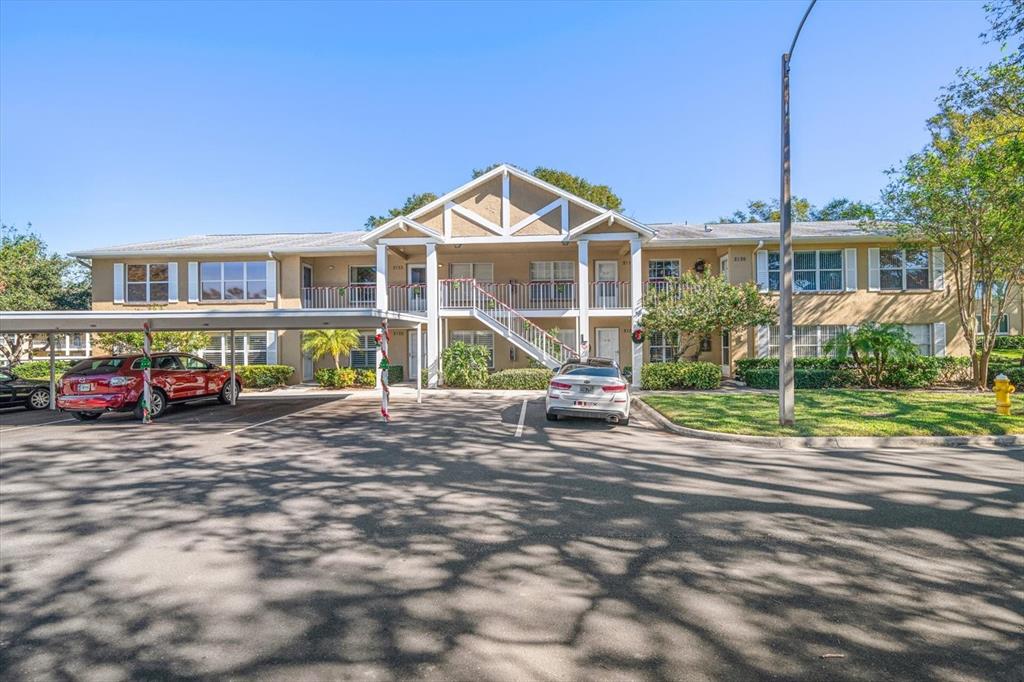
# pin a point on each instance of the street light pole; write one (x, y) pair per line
(786, 341)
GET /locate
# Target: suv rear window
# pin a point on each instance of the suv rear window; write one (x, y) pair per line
(591, 371)
(96, 366)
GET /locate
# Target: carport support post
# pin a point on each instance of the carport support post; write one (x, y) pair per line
(53, 375)
(147, 375)
(419, 363)
(232, 379)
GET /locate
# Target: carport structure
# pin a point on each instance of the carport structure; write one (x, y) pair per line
(52, 322)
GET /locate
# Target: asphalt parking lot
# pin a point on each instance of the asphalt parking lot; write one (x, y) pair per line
(301, 538)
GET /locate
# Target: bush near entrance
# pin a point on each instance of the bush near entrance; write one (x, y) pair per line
(666, 376)
(40, 369)
(527, 378)
(1009, 343)
(345, 377)
(264, 376)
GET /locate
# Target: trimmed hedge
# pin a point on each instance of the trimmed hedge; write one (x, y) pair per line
(264, 376)
(1015, 373)
(40, 369)
(766, 377)
(920, 372)
(395, 374)
(664, 376)
(346, 377)
(526, 378)
(1009, 342)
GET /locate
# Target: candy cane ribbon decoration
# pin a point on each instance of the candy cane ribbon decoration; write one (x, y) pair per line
(382, 338)
(147, 388)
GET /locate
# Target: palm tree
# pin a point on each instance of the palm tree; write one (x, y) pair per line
(333, 342)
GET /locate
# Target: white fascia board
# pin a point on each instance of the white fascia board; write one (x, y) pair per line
(262, 252)
(410, 241)
(611, 217)
(395, 223)
(697, 242)
(607, 237)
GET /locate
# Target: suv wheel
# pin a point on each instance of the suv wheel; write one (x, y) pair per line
(39, 399)
(158, 407)
(225, 392)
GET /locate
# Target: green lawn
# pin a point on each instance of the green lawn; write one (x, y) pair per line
(842, 413)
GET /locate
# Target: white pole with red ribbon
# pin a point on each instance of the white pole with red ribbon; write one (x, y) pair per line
(382, 338)
(147, 387)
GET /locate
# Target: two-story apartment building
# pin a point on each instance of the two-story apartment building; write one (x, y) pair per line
(534, 273)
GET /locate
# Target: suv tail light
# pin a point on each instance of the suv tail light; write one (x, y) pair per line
(121, 381)
(560, 385)
(614, 388)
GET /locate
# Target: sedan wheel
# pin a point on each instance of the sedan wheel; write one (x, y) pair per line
(39, 400)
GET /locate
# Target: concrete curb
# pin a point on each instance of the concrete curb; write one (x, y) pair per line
(832, 442)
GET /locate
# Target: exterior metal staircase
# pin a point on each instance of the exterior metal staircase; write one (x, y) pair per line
(516, 329)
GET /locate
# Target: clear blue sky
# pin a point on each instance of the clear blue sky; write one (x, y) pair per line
(135, 121)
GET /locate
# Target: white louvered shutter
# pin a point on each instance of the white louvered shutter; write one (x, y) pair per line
(193, 282)
(762, 271)
(939, 339)
(850, 269)
(938, 269)
(172, 282)
(272, 347)
(118, 282)
(271, 280)
(763, 340)
(874, 270)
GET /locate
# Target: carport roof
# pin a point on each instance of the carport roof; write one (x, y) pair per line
(43, 321)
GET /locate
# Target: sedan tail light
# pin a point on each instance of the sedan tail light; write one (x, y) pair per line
(560, 385)
(614, 388)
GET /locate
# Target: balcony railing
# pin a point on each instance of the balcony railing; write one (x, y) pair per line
(556, 295)
(401, 297)
(605, 295)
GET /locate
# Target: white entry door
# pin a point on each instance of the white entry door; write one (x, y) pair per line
(608, 343)
(416, 360)
(606, 284)
(417, 291)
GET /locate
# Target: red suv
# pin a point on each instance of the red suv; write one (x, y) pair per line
(115, 384)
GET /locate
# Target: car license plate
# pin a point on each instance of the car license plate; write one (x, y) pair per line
(82, 388)
(583, 403)
(586, 389)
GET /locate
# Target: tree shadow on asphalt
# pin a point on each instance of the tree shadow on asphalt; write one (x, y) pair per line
(441, 546)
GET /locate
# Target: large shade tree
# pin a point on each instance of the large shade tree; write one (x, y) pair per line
(964, 193)
(32, 278)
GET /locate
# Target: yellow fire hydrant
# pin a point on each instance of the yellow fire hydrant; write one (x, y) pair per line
(1003, 388)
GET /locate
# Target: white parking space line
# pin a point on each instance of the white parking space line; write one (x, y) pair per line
(290, 414)
(27, 426)
(522, 418)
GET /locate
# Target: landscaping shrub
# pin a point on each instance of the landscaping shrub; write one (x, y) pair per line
(1009, 342)
(803, 378)
(366, 378)
(663, 376)
(1015, 373)
(40, 369)
(742, 366)
(264, 376)
(336, 378)
(914, 372)
(396, 373)
(520, 379)
(954, 370)
(465, 365)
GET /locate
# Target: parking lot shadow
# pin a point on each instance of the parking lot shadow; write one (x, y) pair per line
(442, 546)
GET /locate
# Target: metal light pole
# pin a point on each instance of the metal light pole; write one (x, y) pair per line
(786, 341)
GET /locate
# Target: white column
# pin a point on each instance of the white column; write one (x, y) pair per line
(636, 288)
(419, 363)
(53, 376)
(583, 284)
(433, 318)
(382, 277)
(232, 373)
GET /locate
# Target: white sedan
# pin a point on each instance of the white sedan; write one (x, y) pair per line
(589, 388)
